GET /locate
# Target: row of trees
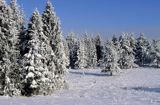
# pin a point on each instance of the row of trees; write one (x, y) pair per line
(32, 59)
(121, 52)
(81, 53)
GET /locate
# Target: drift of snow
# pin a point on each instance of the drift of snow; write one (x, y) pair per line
(139, 86)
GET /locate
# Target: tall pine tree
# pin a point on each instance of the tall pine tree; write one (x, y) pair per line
(81, 63)
(51, 28)
(127, 58)
(142, 50)
(73, 49)
(110, 61)
(9, 50)
(38, 68)
(99, 49)
(90, 51)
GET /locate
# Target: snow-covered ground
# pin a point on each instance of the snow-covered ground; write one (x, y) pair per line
(139, 86)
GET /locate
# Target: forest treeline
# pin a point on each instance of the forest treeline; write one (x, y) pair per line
(120, 52)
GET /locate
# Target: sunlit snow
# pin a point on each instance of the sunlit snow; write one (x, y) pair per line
(139, 86)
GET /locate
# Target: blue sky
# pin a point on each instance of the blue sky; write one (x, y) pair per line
(107, 17)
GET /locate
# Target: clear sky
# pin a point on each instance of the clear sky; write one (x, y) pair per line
(107, 17)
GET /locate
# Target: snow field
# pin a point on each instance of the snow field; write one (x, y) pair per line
(139, 86)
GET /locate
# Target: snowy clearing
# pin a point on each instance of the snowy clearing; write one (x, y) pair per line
(139, 86)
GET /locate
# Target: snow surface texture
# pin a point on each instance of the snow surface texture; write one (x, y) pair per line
(139, 86)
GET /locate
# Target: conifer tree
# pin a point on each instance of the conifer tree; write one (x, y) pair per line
(9, 50)
(81, 63)
(66, 49)
(90, 51)
(126, 59)
(19, 18)
(142, 50)
(155, 53)
(52, 30)
(110, 62)
(99, 49)
(117, 46)
(38, 69)
(73, 48)
(18, 15)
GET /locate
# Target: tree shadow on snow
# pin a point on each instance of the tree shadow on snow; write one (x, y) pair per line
(150, 66)
(89, 73)
(145, 89)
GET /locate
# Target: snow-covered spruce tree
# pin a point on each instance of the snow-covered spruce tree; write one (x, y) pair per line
(116, 43)
(19, 18)
(155, 53)
(110, 62)
(127, 57)
(52, 30)
(19, 24)
(142, 50)
(90, 51)
(81, 63)
(37, 69)
(9, 51)
(93, 54)
(99, 49)
(66, 49)
(132, 41)
(18, 15)
(73, 48)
